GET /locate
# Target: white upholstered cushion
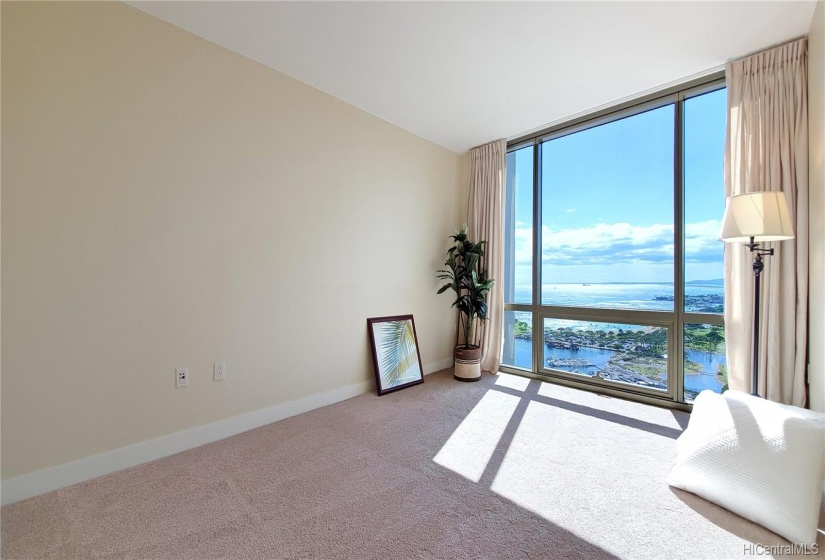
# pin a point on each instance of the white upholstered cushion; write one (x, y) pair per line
(762, 460)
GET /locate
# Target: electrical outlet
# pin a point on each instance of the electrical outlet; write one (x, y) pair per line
(220, 371)
(181, 377)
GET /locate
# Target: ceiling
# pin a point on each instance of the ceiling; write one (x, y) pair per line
(464, 73)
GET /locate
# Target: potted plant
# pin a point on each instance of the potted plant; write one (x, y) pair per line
(471, 287)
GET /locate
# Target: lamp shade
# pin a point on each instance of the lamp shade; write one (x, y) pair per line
(762, 216)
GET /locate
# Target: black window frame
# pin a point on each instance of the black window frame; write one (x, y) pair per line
(674, 320)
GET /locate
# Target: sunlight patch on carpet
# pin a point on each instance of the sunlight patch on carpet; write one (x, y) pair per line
(545, 446)
(516, 382)
(633, 411)
(473, 443)
(591, 476)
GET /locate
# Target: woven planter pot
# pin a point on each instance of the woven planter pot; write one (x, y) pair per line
(467, 363)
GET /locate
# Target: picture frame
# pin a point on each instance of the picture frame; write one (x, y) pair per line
(396, 359)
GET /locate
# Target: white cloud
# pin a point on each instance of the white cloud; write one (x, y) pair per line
(702, 241)
(619, 243)
(524, 243)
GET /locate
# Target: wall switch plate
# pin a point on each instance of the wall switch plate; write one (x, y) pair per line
(181, 377)
(220, 371)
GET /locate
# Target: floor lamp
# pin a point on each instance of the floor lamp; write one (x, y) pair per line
(753, 218)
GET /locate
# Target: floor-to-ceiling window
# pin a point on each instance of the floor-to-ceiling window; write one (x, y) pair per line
(613, 268)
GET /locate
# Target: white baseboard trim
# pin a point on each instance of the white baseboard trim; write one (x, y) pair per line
(67, 474)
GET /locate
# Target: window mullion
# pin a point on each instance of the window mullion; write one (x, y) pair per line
(677, 361)
(538, 329)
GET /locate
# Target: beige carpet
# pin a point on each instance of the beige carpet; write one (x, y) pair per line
(504, 468)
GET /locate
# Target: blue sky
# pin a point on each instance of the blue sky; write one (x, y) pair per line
(607, 199)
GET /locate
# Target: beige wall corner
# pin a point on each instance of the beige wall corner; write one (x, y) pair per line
(816, 174)
(167, 202)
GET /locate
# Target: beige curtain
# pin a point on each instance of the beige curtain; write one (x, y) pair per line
(484, 222)
(766, 149)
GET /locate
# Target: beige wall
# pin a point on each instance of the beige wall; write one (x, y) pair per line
(816, 131)
(167, 202)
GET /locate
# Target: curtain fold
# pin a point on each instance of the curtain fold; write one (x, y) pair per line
(484, 222)
(766, 149)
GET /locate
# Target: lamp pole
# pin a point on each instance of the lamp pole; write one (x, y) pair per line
(758, 267)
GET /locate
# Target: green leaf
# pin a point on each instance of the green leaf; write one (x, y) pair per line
(470, 284)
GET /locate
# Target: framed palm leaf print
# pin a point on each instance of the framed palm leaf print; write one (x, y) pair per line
(395, 355)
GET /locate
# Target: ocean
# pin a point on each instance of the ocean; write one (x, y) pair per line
(651, 296)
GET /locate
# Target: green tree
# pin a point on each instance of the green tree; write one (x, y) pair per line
(522, 327)
(714, 337)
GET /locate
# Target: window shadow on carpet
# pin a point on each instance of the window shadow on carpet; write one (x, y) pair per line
(532, 392)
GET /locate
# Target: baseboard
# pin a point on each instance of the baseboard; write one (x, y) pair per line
(67, 474)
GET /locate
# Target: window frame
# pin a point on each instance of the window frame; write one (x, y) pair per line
(676, 319)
